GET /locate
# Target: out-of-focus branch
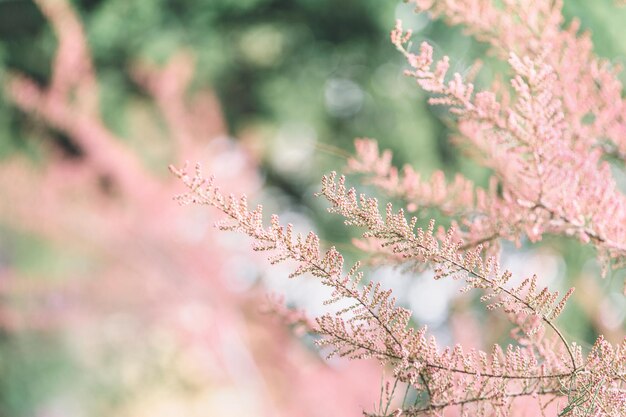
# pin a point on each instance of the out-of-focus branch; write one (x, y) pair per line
(70, 103)
(188, 120)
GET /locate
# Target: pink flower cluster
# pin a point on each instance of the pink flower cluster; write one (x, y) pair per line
(546, 139)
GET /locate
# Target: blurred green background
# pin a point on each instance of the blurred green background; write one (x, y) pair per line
(293, 76)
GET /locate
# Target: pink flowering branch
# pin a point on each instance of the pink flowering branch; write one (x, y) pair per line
(394, 231)
(588, 86)
(373, 326)
(549, 177)
(482, 217)
(553, 183)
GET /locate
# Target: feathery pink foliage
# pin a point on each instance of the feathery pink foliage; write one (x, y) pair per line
(545, 139)
(546, 144)
(373, 326)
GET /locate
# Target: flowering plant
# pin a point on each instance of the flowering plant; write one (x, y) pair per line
(546, 140)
